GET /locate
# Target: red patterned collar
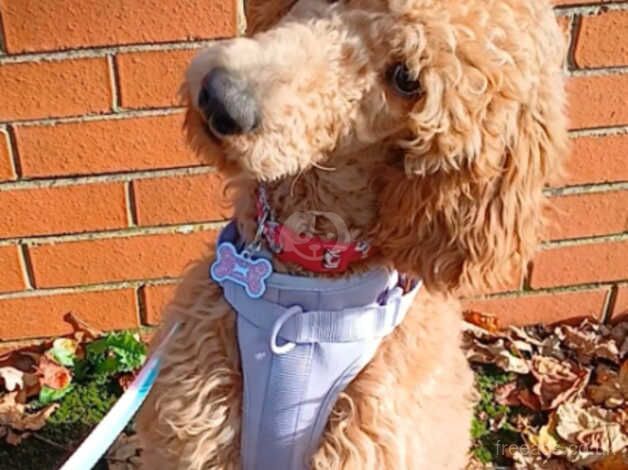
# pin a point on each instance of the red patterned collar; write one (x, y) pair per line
(313, 253)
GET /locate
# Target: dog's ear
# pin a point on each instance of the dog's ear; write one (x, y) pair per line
(263, 14)
(465, 209)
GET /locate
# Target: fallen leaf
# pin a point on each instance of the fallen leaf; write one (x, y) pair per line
(14, 417)
(588, 343)
(81, 326)
(546, 440)
(53, 375)
(13, 378)
(497, 353)
(592, 428)
(484, 320)
(63, 351)
(557, 381)
(507, 394)
(612, 462)
(610, 388)
(533, 461)
(125, 452)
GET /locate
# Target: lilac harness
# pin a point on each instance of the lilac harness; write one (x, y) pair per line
(301, 343)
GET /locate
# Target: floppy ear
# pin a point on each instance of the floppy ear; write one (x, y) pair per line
(466, 210)
(263, 14)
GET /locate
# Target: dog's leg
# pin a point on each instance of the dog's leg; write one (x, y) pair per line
(191, 419)
(411, 407)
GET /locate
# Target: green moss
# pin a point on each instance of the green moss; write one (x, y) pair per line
(488, 444)
(79, 411)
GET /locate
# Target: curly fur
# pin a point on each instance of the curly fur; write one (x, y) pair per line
(447, 185)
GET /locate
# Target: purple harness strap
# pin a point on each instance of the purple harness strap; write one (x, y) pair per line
(301, 344)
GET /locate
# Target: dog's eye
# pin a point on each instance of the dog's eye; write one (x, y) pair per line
(400, 78)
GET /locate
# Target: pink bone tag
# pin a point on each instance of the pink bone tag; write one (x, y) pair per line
(241, 269)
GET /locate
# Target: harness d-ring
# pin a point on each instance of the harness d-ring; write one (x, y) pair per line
(289, 346)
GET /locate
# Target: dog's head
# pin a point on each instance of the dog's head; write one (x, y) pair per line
(463, 98)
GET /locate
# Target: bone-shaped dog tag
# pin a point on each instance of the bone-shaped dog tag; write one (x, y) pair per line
(241, 269)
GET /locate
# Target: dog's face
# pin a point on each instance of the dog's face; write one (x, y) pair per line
(464, 103)
(328, 79)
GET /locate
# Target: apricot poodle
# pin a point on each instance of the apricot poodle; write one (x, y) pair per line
(417, 135)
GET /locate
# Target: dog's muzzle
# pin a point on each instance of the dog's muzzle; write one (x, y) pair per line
(228, 104)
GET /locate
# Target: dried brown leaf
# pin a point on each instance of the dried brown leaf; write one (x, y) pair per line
(557, 381)
(14, 417)
(591, 428)
(497, 353)
(125, 452)
(53, 375)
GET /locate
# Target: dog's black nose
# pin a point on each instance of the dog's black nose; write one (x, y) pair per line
(228, 104)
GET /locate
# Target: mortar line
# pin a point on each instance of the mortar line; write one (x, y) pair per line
(135, 113)
(599, 131)
(114, 81)
(609, 304)
(526, 286)
(241, 23)
(51, 182)
(182, 229)
(3, 41)
(593, 8)
(141, 304)
(589, 188)
(27, 267)
(598, 71)
(96, 287)
(131, 206)
(19, 343)
(574, 34)
(12, 162)
(584, 287)
(14, 154)
(615, 237)
(100, 52)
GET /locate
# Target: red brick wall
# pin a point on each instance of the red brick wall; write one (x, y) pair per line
(102, 205)
(582, 269)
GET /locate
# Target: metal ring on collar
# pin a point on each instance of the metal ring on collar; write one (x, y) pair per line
(289, 346)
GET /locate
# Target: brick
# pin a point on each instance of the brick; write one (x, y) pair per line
(6, 165)
(603, 40)
(152, 79)
(172, 200)
(543, 308)
(156, 299)
(620, 307)
(597, 101)
(12, 278)
(583, 215)
(116, 259)
(39, 25)
(598, 159)
(62, 209)
(37, 316)
(32, 90)
(105, 146)
(579, 264)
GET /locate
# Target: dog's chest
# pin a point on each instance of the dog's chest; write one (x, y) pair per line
(300, 345)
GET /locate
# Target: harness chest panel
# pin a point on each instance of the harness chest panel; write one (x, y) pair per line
(300, 345)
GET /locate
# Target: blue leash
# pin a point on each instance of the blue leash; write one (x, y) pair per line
(103, 435)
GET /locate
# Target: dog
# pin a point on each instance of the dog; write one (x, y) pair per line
(417, 135)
